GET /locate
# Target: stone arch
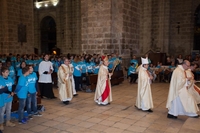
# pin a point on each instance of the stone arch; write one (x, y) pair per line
(47, 34)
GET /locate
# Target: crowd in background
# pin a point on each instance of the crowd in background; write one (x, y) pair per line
(163, 72)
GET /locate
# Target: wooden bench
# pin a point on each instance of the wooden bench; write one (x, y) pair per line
(93, 81)
(117, 77)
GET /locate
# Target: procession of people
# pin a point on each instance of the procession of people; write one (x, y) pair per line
(36, 76)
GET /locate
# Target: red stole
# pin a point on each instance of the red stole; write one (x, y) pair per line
(106, 91)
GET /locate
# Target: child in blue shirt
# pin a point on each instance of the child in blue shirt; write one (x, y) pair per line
(31, 101)
(22, 65)
(132, 73)
(37, 61)
(135, 61)
(83, 72)
(3, 89)
(11, 70)
(96, 68)
(30, 60)
(7, 98)
(90, 66)
(22, 92)
(77, 73)
(17, 63)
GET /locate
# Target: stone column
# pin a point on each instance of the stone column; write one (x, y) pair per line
(96, 26)
(160, 25)
(145, 26)
(110, 26)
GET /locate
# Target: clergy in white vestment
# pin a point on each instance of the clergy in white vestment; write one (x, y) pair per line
(192, 88)
(144, 97)
(65, 82)
(72, 78)
(180, 101)
(45, 81)
(103, 93)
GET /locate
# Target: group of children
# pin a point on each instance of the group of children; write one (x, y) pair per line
(26, 91)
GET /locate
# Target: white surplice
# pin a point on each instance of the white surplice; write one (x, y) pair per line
(45, 66)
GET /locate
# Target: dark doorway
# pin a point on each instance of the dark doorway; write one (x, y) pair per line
(197, 29)
(48, 34)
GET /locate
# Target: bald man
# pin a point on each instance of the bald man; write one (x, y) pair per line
(180, 101)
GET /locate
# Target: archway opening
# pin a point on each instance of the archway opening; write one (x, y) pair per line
(48, 34)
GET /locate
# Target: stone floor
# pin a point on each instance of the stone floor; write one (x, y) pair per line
(82, 115)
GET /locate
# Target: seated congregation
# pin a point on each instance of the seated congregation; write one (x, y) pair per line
(160, 71)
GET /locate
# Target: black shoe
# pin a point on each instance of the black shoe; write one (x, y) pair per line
(66, 102)
(195, 116)
(150, 110)
(171, 116)
(53, 97)
(75, 95)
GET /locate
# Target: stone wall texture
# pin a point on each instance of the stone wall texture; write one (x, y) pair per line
(126, 27)
(110, 26)
(96, 26)
(182, 12)
(12, 14)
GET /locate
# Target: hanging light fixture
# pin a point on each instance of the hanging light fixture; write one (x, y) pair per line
(46, 3)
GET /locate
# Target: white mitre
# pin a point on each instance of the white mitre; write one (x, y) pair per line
(144, 61)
